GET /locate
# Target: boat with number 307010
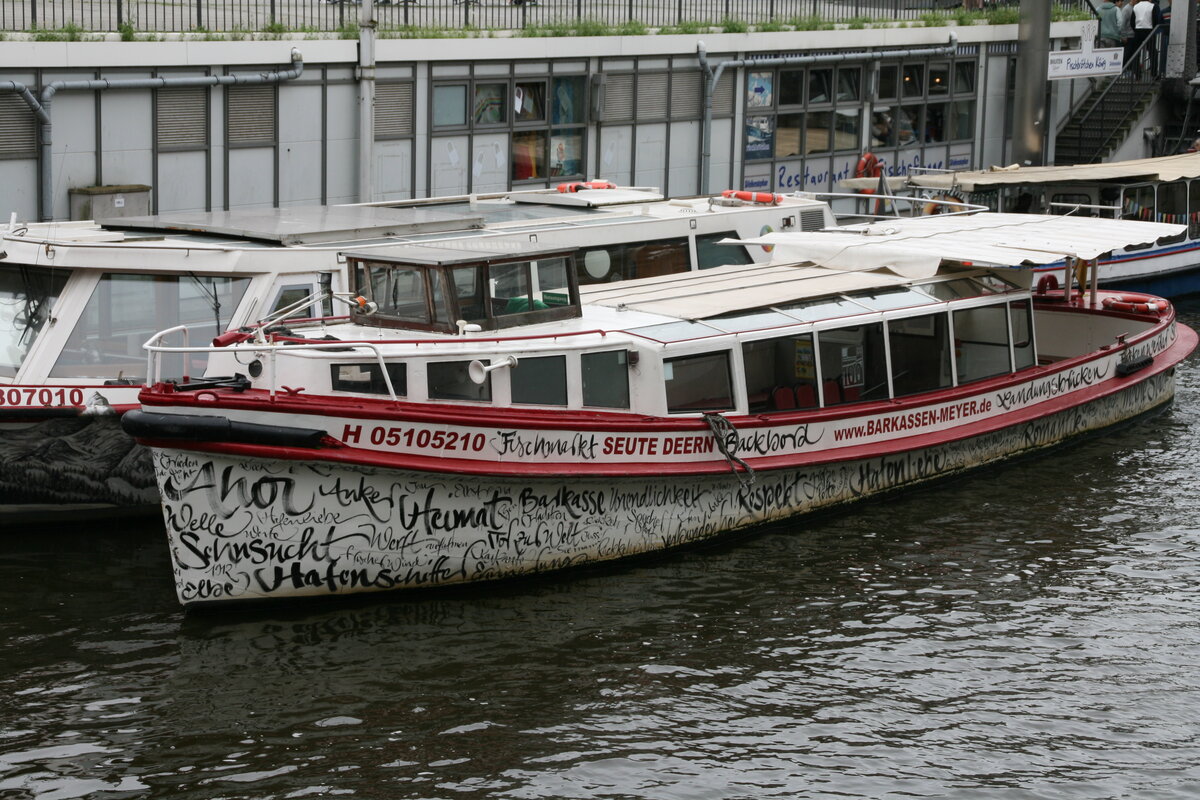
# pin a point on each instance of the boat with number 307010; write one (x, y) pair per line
(481, 416)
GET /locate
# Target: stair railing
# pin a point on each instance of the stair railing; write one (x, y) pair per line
(1136, 80)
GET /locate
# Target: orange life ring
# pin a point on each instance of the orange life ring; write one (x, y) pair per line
(764, 198)
(578, 186)
(1135, 304)
(868, 166)
(1046, 284)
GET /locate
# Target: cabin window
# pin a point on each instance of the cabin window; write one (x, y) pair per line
(367, 379)
(1137, 202)
(400, 292)
(450, 380)
(1065, 203)
(781, 374)
(698, 383)
(126, 310)
(953, 290)
(540, 380)
(605, 379)
(294, 293)
(26, 295)
(634, 260)
(1194, 209)
(710, 254)
(920, 351)
(853, 364)
(1172, 205)
(981, 343)
(528, 286)
(468, 291)
(1021, 318)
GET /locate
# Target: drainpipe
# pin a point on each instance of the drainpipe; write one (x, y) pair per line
(42, 109)
(366, 102)
(1029, 92)
(713, 76)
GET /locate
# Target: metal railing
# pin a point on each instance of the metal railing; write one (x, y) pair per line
(314, 16)
(1108, 115)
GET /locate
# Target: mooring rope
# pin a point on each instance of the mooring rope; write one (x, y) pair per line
(727, 442)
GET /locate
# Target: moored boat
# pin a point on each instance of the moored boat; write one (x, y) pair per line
(483, 417)
(1162, 189)
(78, 300)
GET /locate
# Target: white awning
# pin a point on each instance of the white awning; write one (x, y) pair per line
(1164, 168)
(915, 247)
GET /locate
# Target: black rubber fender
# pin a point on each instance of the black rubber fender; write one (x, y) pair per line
(206, 428)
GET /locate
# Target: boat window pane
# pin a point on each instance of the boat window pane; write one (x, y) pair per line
(710, 254)
(897, 298)
(449, 106)
(788, 132)
(1138, 203)
(1069, 202)
(791, 87)
(399, 292)
(510, 290)
(667, 257)
(1021, 312)
(367, 379)
(981, 343)
(1194, 208)
(752, 321)
(468, 289)
(126, 310)
(953, 290)
(540, 381)
(450, 380)
(605, 379)
(602, 264)
(294, 293)
(698, 383)
(1172, 202)
(675, 331)
(920, 348)
(781, 374)
(853, 364)
(26, 295)
(994, 284)
(829, 308)
(553, 287)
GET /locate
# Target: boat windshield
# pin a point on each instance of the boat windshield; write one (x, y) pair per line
(126, 310)
(26, 296)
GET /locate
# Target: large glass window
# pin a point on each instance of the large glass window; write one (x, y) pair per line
(853, 364)
(400, 292)
(981, 343)
(920, 351)
(540, 380)
(26, 295)
(698, 383)
(781, 374)
(126, 310)
(605, 379)
(636, 260)
(451, 380)
(1137, 202)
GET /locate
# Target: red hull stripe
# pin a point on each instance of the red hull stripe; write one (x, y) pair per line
(1166, 360)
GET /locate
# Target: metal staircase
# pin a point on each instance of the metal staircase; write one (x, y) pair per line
(1102, 121)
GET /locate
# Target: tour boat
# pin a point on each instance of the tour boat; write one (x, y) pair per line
(1162, 189)
(79, 299)
(482, 416)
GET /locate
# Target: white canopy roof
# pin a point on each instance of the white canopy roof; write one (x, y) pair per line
(1164, 168)
(915, 247)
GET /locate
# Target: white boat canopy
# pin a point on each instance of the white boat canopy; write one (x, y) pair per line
(1163, 168)
(914, 247)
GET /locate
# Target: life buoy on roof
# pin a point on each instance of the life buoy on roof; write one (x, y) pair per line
(578, 186)
(937, 204)
(763, 198)
(869, 166)
(1047, 283)
(1135, 304)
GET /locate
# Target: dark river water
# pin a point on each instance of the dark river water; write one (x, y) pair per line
(1031, 631)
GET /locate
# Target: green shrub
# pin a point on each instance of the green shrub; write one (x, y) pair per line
(729, 25)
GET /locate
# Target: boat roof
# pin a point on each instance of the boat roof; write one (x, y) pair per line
(915, 246)
(1163, 168)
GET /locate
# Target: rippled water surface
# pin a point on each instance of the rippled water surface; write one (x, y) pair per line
(1031, 631)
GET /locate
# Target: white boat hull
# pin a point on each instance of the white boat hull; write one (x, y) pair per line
(245, 528)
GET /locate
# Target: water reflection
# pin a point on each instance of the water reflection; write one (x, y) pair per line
(1025, 631)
